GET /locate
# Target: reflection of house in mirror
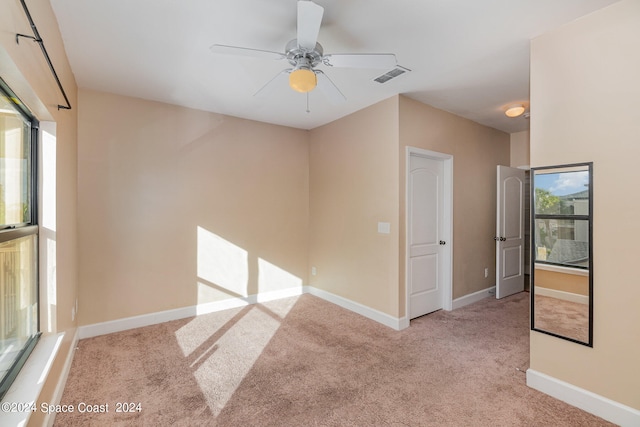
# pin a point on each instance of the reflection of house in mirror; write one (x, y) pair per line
(572, 243)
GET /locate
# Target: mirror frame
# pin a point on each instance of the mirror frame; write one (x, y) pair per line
(589, 166)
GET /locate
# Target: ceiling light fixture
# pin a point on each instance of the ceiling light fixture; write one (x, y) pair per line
(514, 110)
(302, 78)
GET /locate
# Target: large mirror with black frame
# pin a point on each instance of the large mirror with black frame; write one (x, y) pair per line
(562, 251)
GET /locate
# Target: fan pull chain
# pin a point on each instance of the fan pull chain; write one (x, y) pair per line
(308, 110)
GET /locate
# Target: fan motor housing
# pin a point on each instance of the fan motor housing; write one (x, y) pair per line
(295, 52)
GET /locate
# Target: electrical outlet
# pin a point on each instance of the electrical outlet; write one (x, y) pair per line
(384, 227)
(314, 271)
(486, 272)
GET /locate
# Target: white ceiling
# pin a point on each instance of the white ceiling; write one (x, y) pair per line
(469, 57)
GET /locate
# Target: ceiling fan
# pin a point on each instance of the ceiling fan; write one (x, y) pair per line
(304, 53)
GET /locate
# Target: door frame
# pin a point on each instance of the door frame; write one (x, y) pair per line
(447, 161)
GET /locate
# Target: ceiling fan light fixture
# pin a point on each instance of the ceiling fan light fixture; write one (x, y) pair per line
(514, 110)
(303, 80)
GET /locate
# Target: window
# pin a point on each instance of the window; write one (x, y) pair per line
(562, 217)
(19, 311)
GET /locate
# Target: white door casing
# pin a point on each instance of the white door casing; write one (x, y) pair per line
(428, 232)
(510, 231)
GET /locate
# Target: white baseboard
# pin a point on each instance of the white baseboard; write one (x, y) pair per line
(363, 310)
(127, 323)
(283, 293)
(595, 404)
(103, 328)
(474, 297)
(403, 323)
(567, 296)
(140, 321)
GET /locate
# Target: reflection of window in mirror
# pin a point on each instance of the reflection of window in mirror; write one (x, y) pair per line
(561, 203)
(561, 249)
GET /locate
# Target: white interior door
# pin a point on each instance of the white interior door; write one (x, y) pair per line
(510, 231)
(425, 234)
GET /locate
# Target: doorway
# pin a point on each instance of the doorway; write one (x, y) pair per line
(512, 231)
(429, 231)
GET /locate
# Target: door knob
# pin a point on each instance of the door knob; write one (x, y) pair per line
(442, 242)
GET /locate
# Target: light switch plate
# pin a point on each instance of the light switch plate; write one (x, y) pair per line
(384, 227)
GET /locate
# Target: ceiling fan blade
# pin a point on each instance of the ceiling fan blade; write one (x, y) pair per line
(330, 90)
(280, 81)
(360, 60)
(309, 20)
(245, 51)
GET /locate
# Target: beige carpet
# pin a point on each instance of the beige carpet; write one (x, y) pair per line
(566, 318)
(305, 362)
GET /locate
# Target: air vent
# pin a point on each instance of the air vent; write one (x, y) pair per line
(391, 74)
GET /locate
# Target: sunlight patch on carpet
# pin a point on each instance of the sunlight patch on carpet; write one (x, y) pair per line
(236, 351)
(195, 334)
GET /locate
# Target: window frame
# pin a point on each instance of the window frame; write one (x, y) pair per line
(571, 217)
(16, 231)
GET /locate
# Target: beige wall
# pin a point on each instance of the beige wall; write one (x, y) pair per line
(292, 198)
(565, 282)
(151, 174)
(353, 186)
(25, 70)
(179, 207)
(476, 151)
(519, 149)
(584, 107)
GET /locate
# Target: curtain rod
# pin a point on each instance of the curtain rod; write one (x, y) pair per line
(36, 38)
